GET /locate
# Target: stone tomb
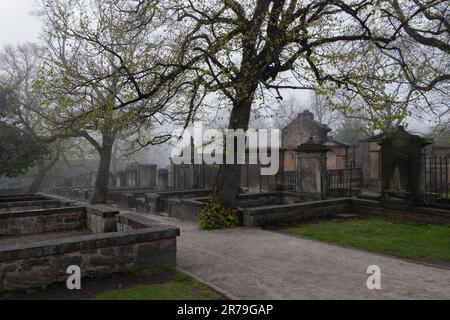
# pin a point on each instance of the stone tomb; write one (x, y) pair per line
(37, 246)
(402, 167)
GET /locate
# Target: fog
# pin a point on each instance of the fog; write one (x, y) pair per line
(17, 22)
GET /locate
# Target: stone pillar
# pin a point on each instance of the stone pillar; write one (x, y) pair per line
(312, 169)
(402, 167)
(163, 179)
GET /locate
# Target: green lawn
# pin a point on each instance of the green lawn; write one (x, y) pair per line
(382, 235)
(181, 287)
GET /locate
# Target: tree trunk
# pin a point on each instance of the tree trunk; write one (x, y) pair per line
(228, 181)
(102, 182)
(42, 173)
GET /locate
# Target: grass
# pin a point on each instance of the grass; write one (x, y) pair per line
(155, 283)
(382, 235)
(181, 287)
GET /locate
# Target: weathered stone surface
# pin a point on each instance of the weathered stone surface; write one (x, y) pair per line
(33, 278)
(300, 130)
(62, 262)
(162, 252)
(402, 166)
(312, 169)
(40, 221)
(101, 221)
(31, 265)
(109, 261)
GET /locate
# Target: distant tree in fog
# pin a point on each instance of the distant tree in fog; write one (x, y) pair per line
(105, 79)
(26, 139)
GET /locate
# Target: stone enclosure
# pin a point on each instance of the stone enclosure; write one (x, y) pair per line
(40, 237)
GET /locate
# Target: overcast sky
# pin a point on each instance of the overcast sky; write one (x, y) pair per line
(17, 24)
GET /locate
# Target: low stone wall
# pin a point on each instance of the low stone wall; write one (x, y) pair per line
(265, 210)
(138, 243)
(31, 205)
(189, 209)
(116, 194)
(160, 202)
(17, 195)
(270, 199)
(186, 209)
(42, 221)
(134, 221)
(273, 215)
(11, 191)
(101, 219)
(401, 212)
(86, 193)
(301, 212)
(73, 193)
(22, 198)
(33, 266)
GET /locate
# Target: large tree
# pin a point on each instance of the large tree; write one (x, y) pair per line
(257, 46)
(360, 47)
(105, 78)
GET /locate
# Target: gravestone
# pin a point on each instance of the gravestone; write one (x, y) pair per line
(312, 169)
(402, 167)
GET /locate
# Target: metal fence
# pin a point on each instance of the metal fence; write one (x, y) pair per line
(344, 182)
(436, 181)
(290, 181)
(190, 177)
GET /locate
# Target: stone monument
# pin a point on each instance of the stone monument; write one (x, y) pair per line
(402, 167)
(312, 169)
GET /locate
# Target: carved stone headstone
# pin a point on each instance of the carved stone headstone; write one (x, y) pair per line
(312, 169)
(402, 154)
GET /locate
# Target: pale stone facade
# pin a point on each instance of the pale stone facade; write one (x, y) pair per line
(300, 131)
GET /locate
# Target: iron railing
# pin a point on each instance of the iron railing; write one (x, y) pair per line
(436, 175)
(290, 181)
(344, 182)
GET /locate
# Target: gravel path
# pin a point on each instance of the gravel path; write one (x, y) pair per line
(257, 264)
